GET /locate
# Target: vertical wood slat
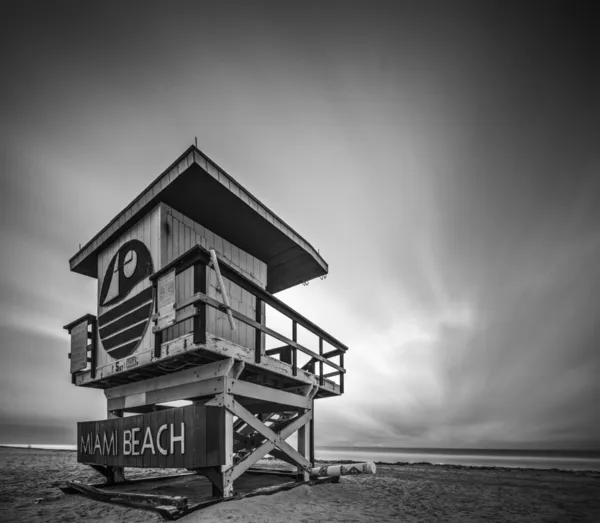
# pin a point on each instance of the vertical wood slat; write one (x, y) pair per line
(141, 423)
(161, 420)
(153, 461)
(258, 333)
(321, 362)
(312, 432)
(200, 317)
(158, 336)
(116, 423)
(215, 434)
(127, 461)
(294, 350)
(199, 435)
(169, 418)
(179, 457)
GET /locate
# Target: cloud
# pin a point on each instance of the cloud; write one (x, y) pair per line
(444, 163)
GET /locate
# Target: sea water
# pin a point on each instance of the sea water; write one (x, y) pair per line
(538, 459)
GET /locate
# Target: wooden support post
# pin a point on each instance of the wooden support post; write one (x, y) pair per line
(115, 474)
(94, 345)
(321, 362)
(341, 373)
(294, 350)
(258, 335)
(221, 477)
(304, 448)
(312, 433)
(200, 285)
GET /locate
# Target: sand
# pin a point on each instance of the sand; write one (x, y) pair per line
(29, 492)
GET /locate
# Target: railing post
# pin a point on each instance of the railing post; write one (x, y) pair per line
(294, 349)
(201, 311)
(321, 362)
(94, 348)
(257, 332)
(157, 335)
(341, 373)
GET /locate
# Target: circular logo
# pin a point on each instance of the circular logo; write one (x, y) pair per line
(122, 327)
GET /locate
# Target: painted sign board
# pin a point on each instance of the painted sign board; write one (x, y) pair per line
(184, 437)
(79, 345)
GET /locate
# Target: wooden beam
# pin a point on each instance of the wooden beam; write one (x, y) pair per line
(321, 363)
(295, 349)
(342, 374)
(304, 448)
(277, 350)
(252, 390)
(236, 370)
(250, 459)
(199, 373)
(258, 348)
(184, 391)
(302, 390)
(233, 350)
(111, 495)
(86, 317)
(278, 454)
(312, 434)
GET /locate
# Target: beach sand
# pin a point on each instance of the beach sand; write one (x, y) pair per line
(29, 481)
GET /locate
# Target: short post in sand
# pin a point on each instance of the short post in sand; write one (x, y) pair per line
(185, 275)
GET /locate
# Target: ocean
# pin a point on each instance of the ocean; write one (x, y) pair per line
(537, 459)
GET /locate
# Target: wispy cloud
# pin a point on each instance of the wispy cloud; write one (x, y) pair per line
(442, 160)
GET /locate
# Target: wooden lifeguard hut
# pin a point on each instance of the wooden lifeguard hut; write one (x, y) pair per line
(185, 275)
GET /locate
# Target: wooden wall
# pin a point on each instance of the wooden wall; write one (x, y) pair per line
(147, 231)
(168, 234)
(179, 234)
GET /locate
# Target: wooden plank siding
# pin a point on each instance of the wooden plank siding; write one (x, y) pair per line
(168, 234)
(203, 430)
(147, 231)
(179, 234)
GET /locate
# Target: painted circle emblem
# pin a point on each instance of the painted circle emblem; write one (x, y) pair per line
(122, 326)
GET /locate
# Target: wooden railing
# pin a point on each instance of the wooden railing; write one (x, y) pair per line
(195, 307)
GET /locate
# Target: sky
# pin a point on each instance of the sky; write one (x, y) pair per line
(443, 158)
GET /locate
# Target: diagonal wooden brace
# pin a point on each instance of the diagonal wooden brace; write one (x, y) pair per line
(215, 263)
(277, 439)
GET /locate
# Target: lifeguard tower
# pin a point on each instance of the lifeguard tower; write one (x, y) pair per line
(185, 275)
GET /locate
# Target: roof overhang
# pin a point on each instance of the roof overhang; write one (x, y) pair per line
(195, 186)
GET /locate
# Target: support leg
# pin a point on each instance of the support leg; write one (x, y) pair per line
(227, 482)
(220, 477)
(304, 447)
(312, 434)
(115, 474)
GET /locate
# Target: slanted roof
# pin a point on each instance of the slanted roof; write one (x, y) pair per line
(195, 186)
